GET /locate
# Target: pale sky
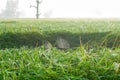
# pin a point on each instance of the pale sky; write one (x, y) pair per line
(70, 8)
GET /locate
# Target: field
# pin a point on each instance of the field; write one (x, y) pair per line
(93, 54)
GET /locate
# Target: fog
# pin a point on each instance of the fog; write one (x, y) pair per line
(65, 9)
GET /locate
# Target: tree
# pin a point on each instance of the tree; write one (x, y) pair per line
(37, 8)
(10, 9)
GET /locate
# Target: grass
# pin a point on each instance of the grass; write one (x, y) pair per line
(94, 52)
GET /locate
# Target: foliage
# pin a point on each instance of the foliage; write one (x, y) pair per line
(94, 52)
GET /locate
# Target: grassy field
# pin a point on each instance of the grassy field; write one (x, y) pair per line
(94, 52)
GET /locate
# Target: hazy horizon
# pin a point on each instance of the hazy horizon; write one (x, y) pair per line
(68, 8)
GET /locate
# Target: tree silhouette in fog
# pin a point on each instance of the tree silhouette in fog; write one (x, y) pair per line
(10, 10)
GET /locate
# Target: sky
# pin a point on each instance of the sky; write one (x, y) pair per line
(69, 8)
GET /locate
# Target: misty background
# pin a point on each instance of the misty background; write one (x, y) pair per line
(60, 9)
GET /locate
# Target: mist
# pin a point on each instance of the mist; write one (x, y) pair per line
(61, 9)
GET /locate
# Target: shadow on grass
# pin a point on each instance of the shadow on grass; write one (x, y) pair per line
(34, 39)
